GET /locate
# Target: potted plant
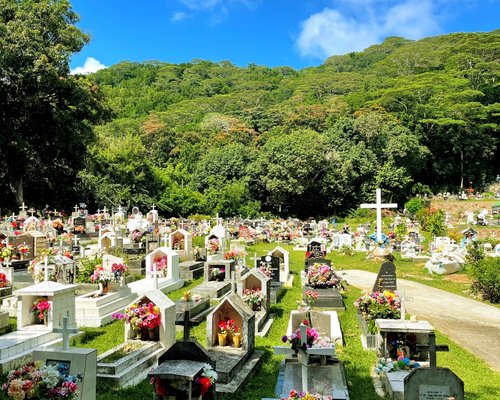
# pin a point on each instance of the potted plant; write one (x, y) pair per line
(222, 334)
(144, 320)
(3, 280)
(254, 298)
(118, 270)
(40, 309)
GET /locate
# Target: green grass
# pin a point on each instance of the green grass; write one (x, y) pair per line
(481, 383)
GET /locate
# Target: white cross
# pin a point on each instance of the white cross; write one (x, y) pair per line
(165, 239)
(23, 207)
(76, 240)
(98, 211)
(75, 208)
(155, 276)
(218, 220)
(65, 331)
(31, 211)
(378, 206)
(104, 210)
(46, 271)
(153, 206)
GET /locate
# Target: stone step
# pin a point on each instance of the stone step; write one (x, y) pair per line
(117, 367)
(88, 313)
(135, 372)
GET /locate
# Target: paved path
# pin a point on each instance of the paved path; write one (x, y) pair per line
(473, 325)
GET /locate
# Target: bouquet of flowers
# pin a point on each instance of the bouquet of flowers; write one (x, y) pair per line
(265, 269)
(322, 276)
(137, 235)
(206, 379)
(228, 326)
(79, 229)
(65, 237)
(310, 297)
(118, 270)
(295, 338)
(402, 363)
(234, 255)
(101, 275)
(253, 297)
(217, 273)
(3, 280)
(161, 263)
(23, 248)
(378, 305)
(213, 245)
(141, 316)
(57, 224)
(6, 251)
(294, 395)
(37, 381)
(41, 307)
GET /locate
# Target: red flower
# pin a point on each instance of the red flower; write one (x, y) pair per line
(205, 385)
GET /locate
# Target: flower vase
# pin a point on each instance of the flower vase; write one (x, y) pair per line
(256, 307)
(237, 339)
(103, 288)
(136, 333)
(222, 338)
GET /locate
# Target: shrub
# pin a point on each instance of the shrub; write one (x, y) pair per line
(487, 279)
(415, 204)
(86, 269)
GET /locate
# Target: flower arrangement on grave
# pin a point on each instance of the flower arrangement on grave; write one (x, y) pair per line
(295, 338)
(213, 245)
(402, 363)
(161, 263)
(310, 298)
(324, 276)
(6, 251)
(322, 342)
(136, 235)
(3, 280)
(295, 395)
(141, 316)
(207, 379)
(118, 269)
(40, 308)
(265, 269)
(38, 381)
(57, 224)
(79, 229)
(378, 305)
(234, 255)
(217, 273)
(65, 237)
(23, 248)
(101, 275)
(254, 298)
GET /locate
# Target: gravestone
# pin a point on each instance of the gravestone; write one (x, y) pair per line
(386, 278)
(284, 257)
(182, 242)
(81, 362)
(312, 261)
(325, 322)
(255, 280)
(316, 249)
(79, 222)
(273, 263)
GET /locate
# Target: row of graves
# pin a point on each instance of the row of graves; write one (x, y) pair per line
(406, 348)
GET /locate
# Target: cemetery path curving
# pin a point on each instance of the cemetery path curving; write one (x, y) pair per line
(475, 326)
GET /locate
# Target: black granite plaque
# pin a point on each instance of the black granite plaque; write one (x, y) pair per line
(386, 278)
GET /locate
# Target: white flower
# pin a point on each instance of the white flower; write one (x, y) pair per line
(50, 375)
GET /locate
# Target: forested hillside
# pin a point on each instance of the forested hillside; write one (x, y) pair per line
(206, 137)
(213, 137)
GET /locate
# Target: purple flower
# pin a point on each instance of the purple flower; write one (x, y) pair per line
(284, 338)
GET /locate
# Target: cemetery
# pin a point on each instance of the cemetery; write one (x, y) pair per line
(205, 230)
(228, 313)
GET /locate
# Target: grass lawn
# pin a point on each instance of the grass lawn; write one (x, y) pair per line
(481, 383)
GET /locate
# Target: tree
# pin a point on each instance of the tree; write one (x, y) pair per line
(45, 113)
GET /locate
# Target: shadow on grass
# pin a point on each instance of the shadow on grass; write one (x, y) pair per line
(90, 335)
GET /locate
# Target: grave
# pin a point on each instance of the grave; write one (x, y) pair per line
(80, 362)
(39, 242)
(217, 274)
(329, 295)
(32, 331)
(325, 322)
(386, 278)
(146, 345)
(284, 267)
(62, 269)
(178, 372)
(251, 282)
(6, 280)
(300, 244)
(196, 310)
(314, 369)
(216, 242)
(233, 364)
(165, 263)
(270, 265)
(182, 242)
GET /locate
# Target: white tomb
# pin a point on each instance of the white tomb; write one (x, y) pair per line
(182, 242)
(284, 257)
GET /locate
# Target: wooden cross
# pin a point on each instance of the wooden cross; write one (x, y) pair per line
(65, 331)
(433, 348)
(378, 206)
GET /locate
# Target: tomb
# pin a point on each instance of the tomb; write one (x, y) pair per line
(162, 269)
(233, 364)
(182, 242)
(62, 269)
(284, 257)
(270, 266)
(145, 344)
(179, 370)
(255, 290)
(216, 242)
(326, 323)
(323, 279)
(35, 326)
(217, 274)
(39, 242)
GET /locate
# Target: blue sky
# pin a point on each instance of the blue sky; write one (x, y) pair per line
(295, 33)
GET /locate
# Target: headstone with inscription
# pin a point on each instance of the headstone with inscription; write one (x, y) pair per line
(273, 263)
(386, 278)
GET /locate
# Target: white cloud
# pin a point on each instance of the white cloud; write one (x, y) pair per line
(359, 24)
(218, 9)
(179, 16)
(90, 65)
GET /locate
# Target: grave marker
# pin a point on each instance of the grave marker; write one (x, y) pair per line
(378, 206)
(386, 278)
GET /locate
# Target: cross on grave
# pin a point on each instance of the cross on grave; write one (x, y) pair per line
(378, 206)
(31, 211)
(218, 221)
(304, 353)
(433, 348)
(22, 208)
(98, 211)
(104, 210)
(65, 333)
(155, 276)
(75, 208)
(153, 207)
(165, 239)
(46, 269)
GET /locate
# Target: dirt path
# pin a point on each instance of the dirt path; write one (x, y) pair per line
(473, 325)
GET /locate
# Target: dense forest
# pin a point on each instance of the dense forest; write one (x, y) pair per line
(205, 137)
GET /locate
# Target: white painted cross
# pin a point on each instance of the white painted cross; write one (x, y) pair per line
(76, 240)
(23, 208)
(155, 276)
(104, 210)
(75, 208)
(165, 239)
(31, 211)
(218, 221)
(65, 331)
(378, 206)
